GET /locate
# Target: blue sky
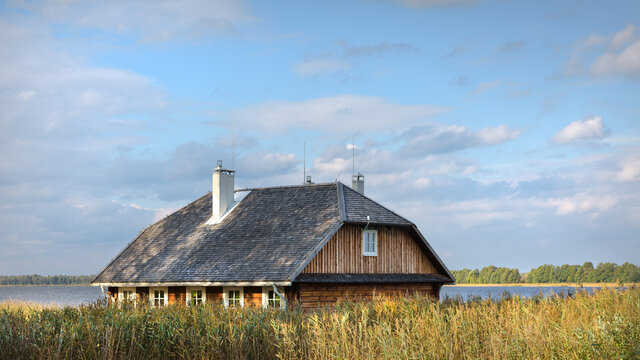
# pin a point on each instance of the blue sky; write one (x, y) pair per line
(507, 131)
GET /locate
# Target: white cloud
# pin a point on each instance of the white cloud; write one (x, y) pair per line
(343, 114)
(622, 37)
(319, 66)
(438, 138)
(149, 20)
(588, 129)
(267, 163)
(597, 55)
(593, 40)
(630, 170)
(422, 182)
(491, 136)
(581, 203)
(625, 62)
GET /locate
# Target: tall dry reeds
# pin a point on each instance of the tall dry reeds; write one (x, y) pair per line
(603, 325)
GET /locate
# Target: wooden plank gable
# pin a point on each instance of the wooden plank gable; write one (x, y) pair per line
(399, 252)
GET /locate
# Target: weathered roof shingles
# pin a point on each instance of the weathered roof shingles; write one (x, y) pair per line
(358, 207)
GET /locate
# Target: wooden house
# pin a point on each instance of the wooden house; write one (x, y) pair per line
(312, 244)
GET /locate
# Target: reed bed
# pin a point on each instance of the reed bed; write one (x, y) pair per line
(581, 326)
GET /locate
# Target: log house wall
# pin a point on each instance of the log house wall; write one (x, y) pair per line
(319, 295)
(214, 294)
(308, 295)
(177, 294)
(252, 296)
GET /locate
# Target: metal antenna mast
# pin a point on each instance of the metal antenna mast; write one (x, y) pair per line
(353, 154)
(233, 140)
(304, 167)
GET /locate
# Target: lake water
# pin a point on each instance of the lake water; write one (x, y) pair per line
(75, 295)
(496, 292)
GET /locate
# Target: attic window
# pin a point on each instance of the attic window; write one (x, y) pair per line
(370, 242)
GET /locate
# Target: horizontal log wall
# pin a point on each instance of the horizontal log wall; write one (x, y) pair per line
(214, 294)
(253, 296)
(308, 295)
(319, 295)
(177, 294)
(398, 253)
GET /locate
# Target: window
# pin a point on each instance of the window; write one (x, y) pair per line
(127, 295)
(159, 296)
(270, 298)
(370, 242)
(233, 296)
(196, 295)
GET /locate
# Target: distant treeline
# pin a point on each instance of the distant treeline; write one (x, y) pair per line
(585, 273)
(46, 280)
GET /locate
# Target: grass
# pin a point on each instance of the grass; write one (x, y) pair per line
(26, 306)
(603, 325)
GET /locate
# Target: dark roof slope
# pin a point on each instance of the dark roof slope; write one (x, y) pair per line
(265, 237)
(359, 206)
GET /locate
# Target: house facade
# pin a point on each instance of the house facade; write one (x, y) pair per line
(310, 244)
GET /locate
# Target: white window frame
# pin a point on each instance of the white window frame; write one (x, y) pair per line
(225, 294)
(192, 288)
(133, 297)
(265, 296)
(152, 295)
(364, 242)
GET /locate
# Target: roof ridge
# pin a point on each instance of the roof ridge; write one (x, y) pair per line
(287, 186)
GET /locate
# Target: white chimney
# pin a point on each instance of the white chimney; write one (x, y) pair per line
(357, 183)
(222, 193)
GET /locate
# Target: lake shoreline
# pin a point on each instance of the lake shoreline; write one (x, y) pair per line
(608, 285)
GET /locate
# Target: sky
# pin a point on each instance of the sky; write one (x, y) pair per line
(508, 131)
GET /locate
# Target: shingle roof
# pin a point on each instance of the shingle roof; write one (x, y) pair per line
(269, 236)
(358, 207)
